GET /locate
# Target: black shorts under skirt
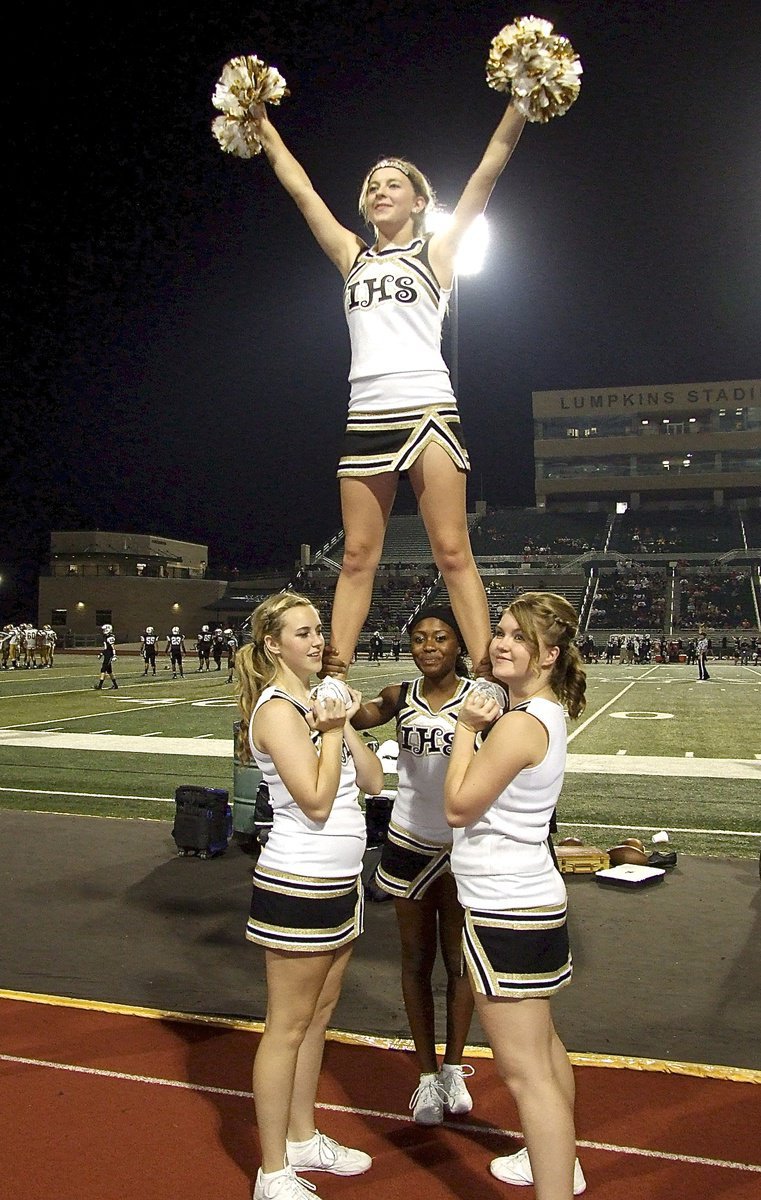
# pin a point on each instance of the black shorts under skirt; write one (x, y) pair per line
(379, 443)
(408, 865)
(518, 954)
(303, 914)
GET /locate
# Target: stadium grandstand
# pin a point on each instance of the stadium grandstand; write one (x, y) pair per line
(647, 517)
(662, 570)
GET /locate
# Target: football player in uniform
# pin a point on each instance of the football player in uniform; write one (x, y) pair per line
(148, 643)
(218, 646)
(203, 646)
(40, 648)
(175, 648)
(107, 656)
(5, 639)
(14, 646)
(30, 646)
(232, 646)
(52, 638)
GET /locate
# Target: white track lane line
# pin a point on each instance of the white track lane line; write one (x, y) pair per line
(403, 1118)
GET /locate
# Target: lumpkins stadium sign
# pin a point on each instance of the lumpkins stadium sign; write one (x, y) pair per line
(673, 396)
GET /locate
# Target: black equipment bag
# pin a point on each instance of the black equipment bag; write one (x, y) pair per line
(377, 817)
(203, 820)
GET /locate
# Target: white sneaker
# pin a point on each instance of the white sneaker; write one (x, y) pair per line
(427, 1101)
(283, 1185)
(321, 1153)
(452, 1079)
(516, 1169)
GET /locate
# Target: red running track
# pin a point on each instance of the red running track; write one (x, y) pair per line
(107, 1105)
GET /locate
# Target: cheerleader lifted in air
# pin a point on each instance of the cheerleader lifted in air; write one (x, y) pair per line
(403, 414)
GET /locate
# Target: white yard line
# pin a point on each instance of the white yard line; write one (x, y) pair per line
(580, 729)
(84, 795)
(744, 833)
(211, 747)
(120, 743)
(646, 764)
(109, 712)
(729, 833)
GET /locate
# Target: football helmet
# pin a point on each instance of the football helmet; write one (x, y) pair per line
(107, 628)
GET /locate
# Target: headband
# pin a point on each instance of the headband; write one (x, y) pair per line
(440, 612)
(390, 162)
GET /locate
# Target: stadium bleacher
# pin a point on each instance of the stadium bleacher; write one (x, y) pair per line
(646, 569)
(532, 532)
(697, 531)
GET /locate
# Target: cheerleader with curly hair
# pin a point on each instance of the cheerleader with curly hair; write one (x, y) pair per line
(515, 938)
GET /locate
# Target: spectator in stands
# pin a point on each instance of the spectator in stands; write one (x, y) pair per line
(414, 866)
(396, 293)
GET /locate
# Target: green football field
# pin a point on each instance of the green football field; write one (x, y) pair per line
(654, 750)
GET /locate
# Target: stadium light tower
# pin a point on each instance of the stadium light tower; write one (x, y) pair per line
(469, 261)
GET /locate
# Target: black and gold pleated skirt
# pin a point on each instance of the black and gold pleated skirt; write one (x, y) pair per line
(379, 443)
(408, 865)
(518, 954)
(302, 914)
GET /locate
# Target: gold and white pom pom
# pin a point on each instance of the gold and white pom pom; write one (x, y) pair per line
(539, 68)
(245, 83)
(491, 691)
(331, 689)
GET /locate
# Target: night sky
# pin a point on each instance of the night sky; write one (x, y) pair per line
(176, 350)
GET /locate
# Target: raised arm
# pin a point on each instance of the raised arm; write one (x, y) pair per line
(475, 197)
(338, 242)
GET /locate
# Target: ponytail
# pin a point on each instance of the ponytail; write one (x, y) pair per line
(255, 665)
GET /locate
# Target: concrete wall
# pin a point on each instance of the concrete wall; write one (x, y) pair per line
(134, 602)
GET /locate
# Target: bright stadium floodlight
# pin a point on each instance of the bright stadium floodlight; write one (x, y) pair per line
(468, 261)
(472, 253)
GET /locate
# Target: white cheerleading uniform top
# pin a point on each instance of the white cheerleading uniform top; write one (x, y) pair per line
(394, 308)
(502, 861)
(298, 845)
(425, 742)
